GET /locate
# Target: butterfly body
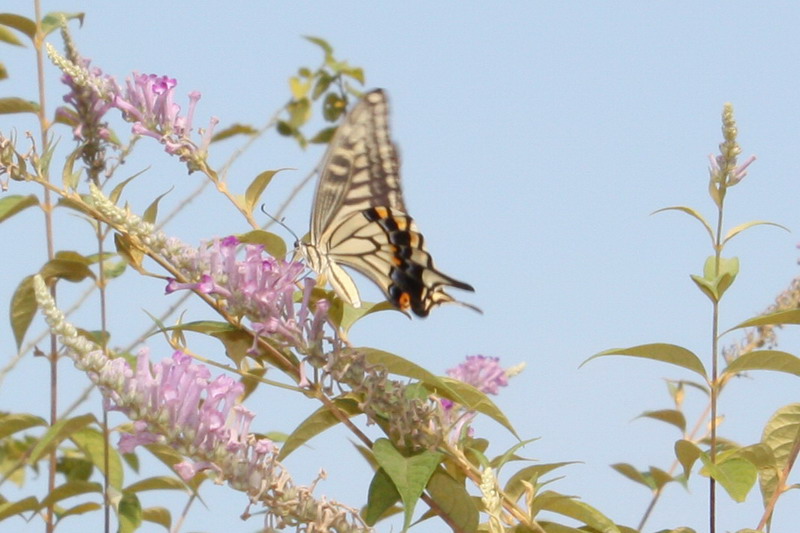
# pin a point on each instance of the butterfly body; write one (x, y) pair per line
(359, 218)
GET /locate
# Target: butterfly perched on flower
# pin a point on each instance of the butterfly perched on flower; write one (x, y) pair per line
(359, 219)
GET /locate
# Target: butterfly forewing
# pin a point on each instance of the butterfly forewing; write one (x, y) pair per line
(359, 219)
(361, 168)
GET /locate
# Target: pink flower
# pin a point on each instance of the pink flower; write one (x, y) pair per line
(483, 373)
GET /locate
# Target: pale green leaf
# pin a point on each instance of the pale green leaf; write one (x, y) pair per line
(454, 500)
(692, 213)
(659, 477)
(15, 203)
(256, 188)
(53, 21)
(91, 442)
(19, 23)
(71, 489)
(129, 512)
(272, 243)
(233, 130)
(316, 423)
(687, 453)
(741, 227)
(81, 508)
(632, 473)
(531, 474)
(73, 270)
(15, 422)
(26, 505)
(578, 510)
(59, 431)
(322, 43)
(11, 105)
(9, 37)
(381, 496)
(410, 475)
(781, 435)
(23, 309)
(765, 360)
(151, 213)
(509, 454)
(666, 353)
(737, 476)
(779, 318)
(670, 416)
(158, 515)
(156, 483)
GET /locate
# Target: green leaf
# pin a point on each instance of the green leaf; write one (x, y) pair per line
(666, 353)
(324, 135)
(23, 309)
(9, 37)
(741, 227)
(509, 454)
(158, 515)
(156, 483)
(3, 72)
(670, 416)
(781, 435)
(660, 477)
(8, 509)
(272, 243)
(130, 252)
(299, 88)
(531, 474)
(15, 203)
(692, 213)
(81, 508)
(91, 442)
(409, 474)
(319, 421)
(15, 422)
(780, 318)
(737, 476)
(322, 43)
(71, 489)
(765, 360)
(116, 192)
(19, 23)
(256, 188)
(71, 178)
(11, 105)
(59, 431)
(583, 512)
(52, 21)
(632, 473)
(687, 453)
(381, 496)
(129, 511)
(151, 213)
(452, 498)
(455, 390)
(232, 131)
(70, 269)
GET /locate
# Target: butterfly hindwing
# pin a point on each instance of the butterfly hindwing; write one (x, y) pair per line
(359, 218)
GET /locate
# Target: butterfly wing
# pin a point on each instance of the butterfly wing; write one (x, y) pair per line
(359, 218)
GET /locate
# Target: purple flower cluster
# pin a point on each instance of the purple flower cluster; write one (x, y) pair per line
(86, 108)
(258, 287)
(483, 373)
(178, 402)
(148, 102)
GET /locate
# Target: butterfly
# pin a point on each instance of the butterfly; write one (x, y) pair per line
(359, 219)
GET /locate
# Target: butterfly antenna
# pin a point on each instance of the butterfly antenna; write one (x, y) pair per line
(281, 223)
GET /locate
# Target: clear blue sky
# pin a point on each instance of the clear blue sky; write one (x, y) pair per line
(536, 138)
